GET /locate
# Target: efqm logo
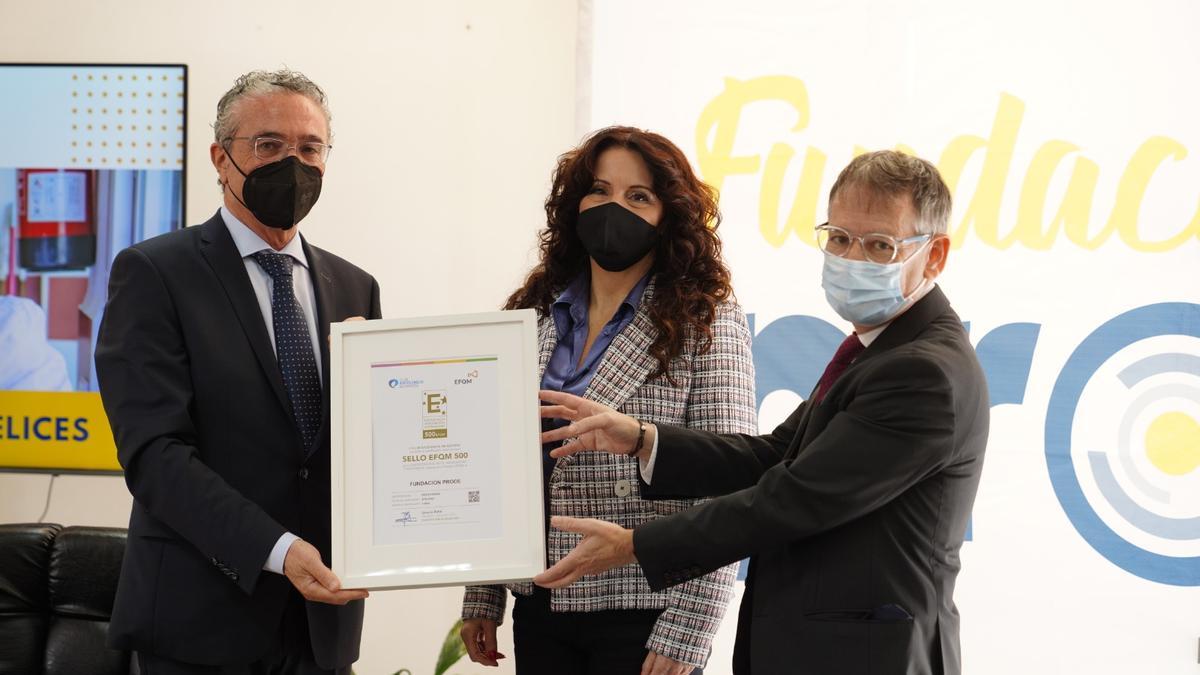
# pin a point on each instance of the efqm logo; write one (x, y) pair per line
(1123, 441)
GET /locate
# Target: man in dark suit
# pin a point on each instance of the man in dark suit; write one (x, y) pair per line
(213, 363)
(854, 509)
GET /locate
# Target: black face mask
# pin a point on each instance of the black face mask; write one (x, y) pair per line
(281, 193)
(614, 236)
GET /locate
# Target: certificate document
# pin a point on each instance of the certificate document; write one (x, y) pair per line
(436, 450)
(435, 458)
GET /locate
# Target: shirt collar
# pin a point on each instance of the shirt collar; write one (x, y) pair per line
(570, 308)
(248, 243)
(634, 299)
(868, 337)
(574, 297)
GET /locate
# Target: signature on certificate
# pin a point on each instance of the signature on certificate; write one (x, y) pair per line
(406, 517)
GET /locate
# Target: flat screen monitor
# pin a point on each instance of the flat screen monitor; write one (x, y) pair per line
(93, 161)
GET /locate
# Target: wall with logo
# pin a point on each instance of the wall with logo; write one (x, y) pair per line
(1066, 129)
(1066, 134)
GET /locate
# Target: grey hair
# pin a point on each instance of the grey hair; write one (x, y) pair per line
(888, 173)
(258, 83)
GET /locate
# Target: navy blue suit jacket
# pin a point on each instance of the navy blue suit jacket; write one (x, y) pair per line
(211, 454)
(853, 510)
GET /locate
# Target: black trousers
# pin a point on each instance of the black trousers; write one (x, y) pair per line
(610, 642)
(291, 654)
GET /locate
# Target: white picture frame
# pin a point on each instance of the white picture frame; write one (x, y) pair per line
(408, 513)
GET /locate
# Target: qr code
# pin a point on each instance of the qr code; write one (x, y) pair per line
(472, 496)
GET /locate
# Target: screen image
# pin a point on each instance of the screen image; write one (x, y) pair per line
(93, 162)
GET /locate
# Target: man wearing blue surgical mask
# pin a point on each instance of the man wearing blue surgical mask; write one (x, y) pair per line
(213, 363)
(854, 509)
(881, 257)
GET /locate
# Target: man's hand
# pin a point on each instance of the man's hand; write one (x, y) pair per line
(347, 319)
(604, 547)
(479, 636)
(657, 664)
(315, 581)
(592, 427)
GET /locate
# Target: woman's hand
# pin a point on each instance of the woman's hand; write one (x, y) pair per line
(479, 636)
(657, 664)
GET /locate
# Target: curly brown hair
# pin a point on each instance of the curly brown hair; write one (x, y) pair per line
(691, 278)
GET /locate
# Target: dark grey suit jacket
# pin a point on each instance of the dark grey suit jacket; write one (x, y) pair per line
(211, 454)
(853, 510)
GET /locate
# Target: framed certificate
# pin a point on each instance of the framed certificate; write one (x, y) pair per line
(436, 462)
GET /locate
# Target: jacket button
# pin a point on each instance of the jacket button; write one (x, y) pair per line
(304, 473)
(622, 488)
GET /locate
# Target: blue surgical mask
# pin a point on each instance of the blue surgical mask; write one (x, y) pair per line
(863, 292)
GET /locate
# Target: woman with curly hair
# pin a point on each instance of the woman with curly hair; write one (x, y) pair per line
(636, 312)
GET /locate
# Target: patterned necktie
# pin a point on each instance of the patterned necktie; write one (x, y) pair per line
(293, 346)
(849, 350)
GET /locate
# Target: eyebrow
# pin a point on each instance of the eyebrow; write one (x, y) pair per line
(277, 134)
(601, 180)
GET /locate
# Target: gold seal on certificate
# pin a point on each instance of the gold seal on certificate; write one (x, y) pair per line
(436, 476)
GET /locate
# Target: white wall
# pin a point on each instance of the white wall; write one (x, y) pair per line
(448, 117)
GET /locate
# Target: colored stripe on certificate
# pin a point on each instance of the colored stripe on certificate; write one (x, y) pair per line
(473, 359)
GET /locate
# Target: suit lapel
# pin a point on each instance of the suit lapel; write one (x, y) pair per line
(902, 330)
(217, 247)
(627, 362)
(323, 286)
(797, 441)
(907, 326)
(547, 340)
(622, 369)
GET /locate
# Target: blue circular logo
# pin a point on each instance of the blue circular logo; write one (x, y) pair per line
(1133, 489)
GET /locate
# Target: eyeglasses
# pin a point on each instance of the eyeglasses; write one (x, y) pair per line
(876, 247)
(272, 149)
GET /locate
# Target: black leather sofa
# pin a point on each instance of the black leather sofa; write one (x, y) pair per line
(56, 594)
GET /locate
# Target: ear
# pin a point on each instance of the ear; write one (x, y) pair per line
(939, 249)
(220, 160)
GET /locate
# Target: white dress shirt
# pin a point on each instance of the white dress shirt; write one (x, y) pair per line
(248, 243)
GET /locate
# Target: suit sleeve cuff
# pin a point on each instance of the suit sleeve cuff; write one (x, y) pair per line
(647, 468)
(279, 553)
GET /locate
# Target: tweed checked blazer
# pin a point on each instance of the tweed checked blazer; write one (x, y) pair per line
(713, 391)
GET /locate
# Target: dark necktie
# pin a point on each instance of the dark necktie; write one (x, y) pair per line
(293, 346)
(849, 350)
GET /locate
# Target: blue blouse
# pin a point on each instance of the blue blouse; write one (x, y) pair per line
(564, 371)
